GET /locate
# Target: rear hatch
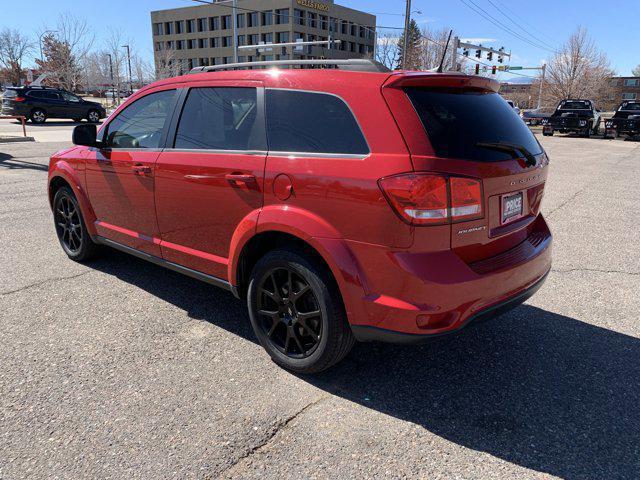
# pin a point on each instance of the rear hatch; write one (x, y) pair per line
(9, 99)
(470, 132)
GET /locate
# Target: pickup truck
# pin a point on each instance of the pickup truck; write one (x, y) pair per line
(626, 120)
(573, 116)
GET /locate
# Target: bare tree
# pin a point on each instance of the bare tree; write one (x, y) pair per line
(636, 71)
(577, 70)
(432, 47)
(14, 46)
(388, 52)
(166, 64)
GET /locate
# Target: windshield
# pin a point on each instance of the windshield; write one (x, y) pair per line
(574, 105)
(458, 120)
(634, 107)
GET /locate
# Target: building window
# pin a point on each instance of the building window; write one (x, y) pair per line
(226, 22)
(191, 26)
(267, 18)
(282, 16)
(214, 42)
(204, 62)
(202, 24)
(242, 40)
(361, 33)
(629, 96)
(168, 28)
(171, 45)
(267, 38)
(240, 18)
(228, 59)
(254, 39)
(323, 24)
(214, 23)
(157, 29)
(353, 30)
(242, 59)
(282, 37)
(311, 20)
(179, 27)
(252, 19)
(344, 27)
(631, 82)
(227, 42)
(158, 46)
(191, 44)
(298, 17)
(203, 43)
(180, 45)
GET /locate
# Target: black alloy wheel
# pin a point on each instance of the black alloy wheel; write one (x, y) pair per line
(70, 226)
(289, 312)
(297, 312)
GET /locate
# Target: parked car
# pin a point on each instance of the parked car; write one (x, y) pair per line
(573, 116)
(386, 212)
(40, 103)
(626, 120)
(535, 116)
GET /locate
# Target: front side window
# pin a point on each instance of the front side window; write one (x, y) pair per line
(140, 125)
(220, 119)
(309, 122)
(70, 97)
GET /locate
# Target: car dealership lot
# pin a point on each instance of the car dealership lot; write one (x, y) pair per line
(122, 369)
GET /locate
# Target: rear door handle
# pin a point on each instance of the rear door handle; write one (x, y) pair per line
(240, 177)
(141, 170)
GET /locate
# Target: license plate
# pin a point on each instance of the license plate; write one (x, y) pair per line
(512, 207)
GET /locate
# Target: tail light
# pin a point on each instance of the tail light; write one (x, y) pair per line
(19, 99)
(428, 199)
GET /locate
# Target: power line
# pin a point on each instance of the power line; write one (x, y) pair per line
(487, 16)
(526, 22)
(527, 32)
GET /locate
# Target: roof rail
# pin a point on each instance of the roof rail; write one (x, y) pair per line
(353, 64)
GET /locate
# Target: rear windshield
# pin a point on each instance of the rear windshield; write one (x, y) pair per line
(9, 93)
(573, 105)
(457, 120)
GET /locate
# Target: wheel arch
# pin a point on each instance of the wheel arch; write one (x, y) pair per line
(62, 174)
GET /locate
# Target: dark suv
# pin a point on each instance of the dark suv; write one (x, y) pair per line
(40, 103)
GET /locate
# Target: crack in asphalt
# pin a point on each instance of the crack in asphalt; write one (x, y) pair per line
(275, 429)
(42, 282)
(594, 270)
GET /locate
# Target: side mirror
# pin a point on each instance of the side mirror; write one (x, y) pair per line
(85, 135)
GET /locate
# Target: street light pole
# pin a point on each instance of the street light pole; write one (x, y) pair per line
(111, 76)
(407, 20)
(129, 63)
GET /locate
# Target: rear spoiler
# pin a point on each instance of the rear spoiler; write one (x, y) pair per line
(441, 80)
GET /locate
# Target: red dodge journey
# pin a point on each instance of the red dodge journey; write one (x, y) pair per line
(343, 203)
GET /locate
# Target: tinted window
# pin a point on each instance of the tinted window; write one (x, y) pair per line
(70, 97)
(35, 94)
(456, 121)
(312, 122)
(575, 105)
(51, 95)
(630, 106)
(140, 125)
(220, 119)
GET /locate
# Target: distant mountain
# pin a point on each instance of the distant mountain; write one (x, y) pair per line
(519, 80)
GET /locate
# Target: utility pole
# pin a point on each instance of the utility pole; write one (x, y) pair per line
(407, 21)
(235, 28)
(129, 63)
(544, 71)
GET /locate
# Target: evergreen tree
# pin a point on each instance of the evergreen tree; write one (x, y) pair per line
(413, 47)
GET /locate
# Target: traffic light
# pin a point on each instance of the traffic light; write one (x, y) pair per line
(477, 69)
(490, 56)
(465, 52)
(493, 70)
(478, 53)
(500, 58)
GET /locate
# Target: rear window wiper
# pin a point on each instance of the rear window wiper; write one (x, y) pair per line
(512, 148)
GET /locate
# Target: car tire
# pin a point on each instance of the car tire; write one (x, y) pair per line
(93, 116)
(71, 228)
(306, 332)
(596, 129)
(38, 116)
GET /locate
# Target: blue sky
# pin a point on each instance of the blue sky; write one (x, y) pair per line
(613, 24)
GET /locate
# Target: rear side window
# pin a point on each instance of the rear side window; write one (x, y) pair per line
(220, 119)
(10, 93)
(456, 121)
(141, 124)
(35, 94)
(312, 123)
(51, 95)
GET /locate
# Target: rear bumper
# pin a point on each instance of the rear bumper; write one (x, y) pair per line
(365, 333)
(412, 295)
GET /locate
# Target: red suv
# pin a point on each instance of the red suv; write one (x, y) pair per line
(342, 205)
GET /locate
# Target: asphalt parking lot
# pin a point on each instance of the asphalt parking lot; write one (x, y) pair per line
(120, 369)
